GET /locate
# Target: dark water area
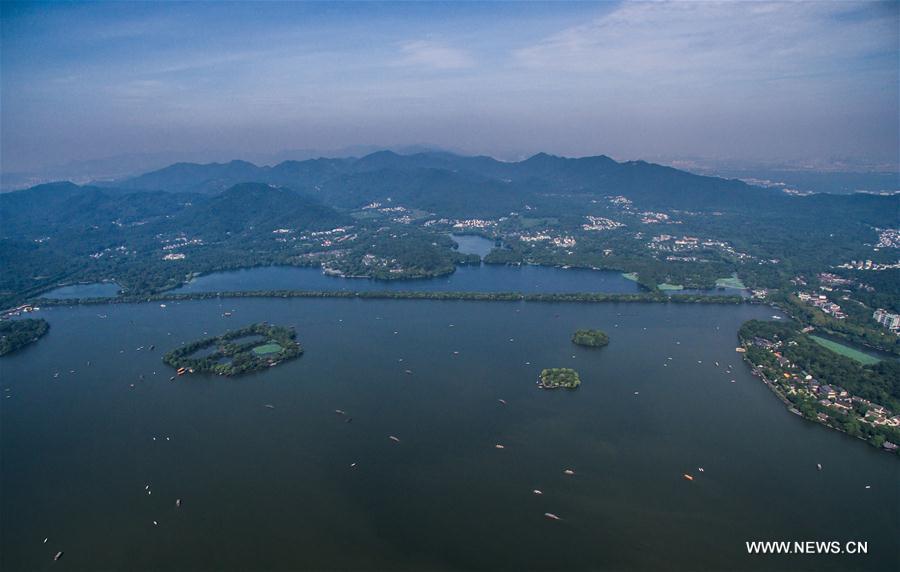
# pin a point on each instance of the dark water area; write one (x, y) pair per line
(483, 278)
(471, 244)
(273, 489)
(74, 291)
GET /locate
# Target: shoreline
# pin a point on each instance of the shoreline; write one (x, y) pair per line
(580, 297)
(791, 408)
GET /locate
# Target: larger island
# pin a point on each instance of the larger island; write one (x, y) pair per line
(251, 348)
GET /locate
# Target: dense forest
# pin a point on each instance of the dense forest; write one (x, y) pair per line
(559, 377)
(590, 338)
(879, 383)
(16, 334)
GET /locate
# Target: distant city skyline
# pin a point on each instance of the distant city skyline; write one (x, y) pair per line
(813, 82)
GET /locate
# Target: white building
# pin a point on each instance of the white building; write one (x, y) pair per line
(886, 319)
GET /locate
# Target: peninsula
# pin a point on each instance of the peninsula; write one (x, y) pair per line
(16, 334)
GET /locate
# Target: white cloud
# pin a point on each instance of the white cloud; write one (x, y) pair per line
(429, 54)
(712, 41)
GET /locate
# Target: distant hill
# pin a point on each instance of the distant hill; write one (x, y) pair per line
(56, 207)
(194, 177)
(437, 181)
(444, 181)
(46, 209)
(257, 206)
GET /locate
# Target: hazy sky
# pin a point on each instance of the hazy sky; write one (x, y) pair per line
(744, 80)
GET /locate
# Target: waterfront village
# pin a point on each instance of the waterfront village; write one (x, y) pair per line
(831, 401)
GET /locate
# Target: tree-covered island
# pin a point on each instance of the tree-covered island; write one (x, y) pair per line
(590, 338)
(16, 334)
(556, 377)
(250, 348)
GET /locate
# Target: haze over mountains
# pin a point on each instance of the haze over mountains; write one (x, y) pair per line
(127, 165)
(448, 183)
(433, 181)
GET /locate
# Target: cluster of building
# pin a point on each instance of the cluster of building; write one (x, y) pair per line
(868, 265)
(18, 311)
(833, 280)
(833, 397)
(406, 214)
(888, 238)
(620, 201)
(888, 320)
(822, 302)
(673, 243)
(324, 238)
(650, 217)
(472, 223)
(563, 241)
(670, 243)
(405, 219)
(107, 251)
(181, 241)
(600, 223)
(560, 241)
(172, 244)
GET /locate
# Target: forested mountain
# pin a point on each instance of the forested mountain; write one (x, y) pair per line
(150, 232)
(64, 206)
(436, 180)
(479, 186)
(256, 206)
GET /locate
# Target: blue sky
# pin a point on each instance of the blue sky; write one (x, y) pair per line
(761, 81)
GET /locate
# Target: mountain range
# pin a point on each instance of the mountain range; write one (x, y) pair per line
(457, 185)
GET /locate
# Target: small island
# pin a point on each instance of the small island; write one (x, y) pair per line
(250, 348)
(556, 377)
(590, 338)
(16, 334)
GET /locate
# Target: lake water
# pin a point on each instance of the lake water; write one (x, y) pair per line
(74, 291)
(471, 244)
(272, 489)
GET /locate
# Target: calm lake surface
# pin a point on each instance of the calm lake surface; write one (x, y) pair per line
(75, 291)
(272, 489)
(471, 244)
